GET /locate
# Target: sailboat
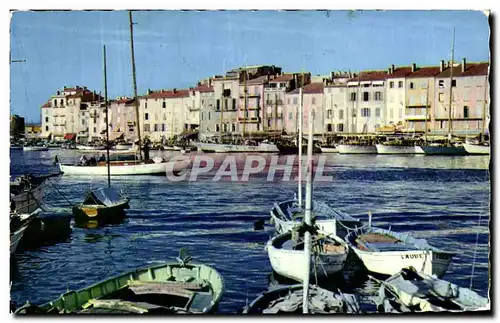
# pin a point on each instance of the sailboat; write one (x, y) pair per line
(309, 298)
(102, 204)
(141, 166)
(444, 146)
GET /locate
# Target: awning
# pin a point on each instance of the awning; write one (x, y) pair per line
(188, 134)
(378, 82)
(352, 83)
(365, 82)
(70, 136)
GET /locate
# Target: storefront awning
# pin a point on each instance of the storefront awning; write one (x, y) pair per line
(70, 136)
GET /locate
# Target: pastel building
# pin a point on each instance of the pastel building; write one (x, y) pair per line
(336, 103)
(312, 99)
(122, 119)
(395, 93)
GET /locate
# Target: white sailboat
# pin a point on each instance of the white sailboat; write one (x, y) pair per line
(387, 252)
(261, 147)
(477, 149)
(136, 167)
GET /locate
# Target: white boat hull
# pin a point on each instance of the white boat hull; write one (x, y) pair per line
(437, 150)
(356, 149)
(290, 263)
(123, 169)
(327, 150)
(221, 148)
(95, 148)
(15, 238)
(477, 149)
(123, 147)
(35, 148)
(394, 150)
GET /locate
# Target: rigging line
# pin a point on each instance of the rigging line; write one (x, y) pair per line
(475, 252)
(71, 204)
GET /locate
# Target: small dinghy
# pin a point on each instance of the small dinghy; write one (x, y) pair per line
(102, 204)
(412, 291)
(286, 215)
(288, 300)
(170, 288)
(387, 252)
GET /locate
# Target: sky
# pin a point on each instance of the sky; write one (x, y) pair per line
(175, 49)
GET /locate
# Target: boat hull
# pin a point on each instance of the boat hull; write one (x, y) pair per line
(80, 147)
(290, 263)
(477, 149)
(29, 201)
(221, 148)
(436, 150)
(327, 150)
(356, 149)
(99, 213)
(35, 148)
(123, 168)
(394, 150)
(16, 237)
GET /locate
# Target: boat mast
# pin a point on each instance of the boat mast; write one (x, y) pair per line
(136, 100)
(451, 86)
(307, 215)
(244, 103)
(426, 111)
(107, 122)
(299, 143)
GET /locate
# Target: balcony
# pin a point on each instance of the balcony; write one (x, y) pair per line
(273, 102)
(249, 119)
(249, 95)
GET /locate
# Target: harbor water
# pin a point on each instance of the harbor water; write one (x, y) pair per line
(443, 199)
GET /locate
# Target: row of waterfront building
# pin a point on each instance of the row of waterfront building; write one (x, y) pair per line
(263, 99)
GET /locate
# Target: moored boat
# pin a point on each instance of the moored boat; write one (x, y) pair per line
(168, 288)
(27, 192)
(387, 252)
(124, 146)
(35, 148)
(19, 223)
(329, 149)
(288, 300)
(91, 148)
(477, 149)
(440, 149)
(102, 204)
(413, 291)
(262, 147)
(393, 149)
(356, 149)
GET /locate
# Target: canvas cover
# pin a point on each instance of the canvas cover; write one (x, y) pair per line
(106, 196)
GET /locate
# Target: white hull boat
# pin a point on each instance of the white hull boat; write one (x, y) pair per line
(222, 148)
(394, 150)
(287, 215)
(35, 148)
(413, 291)
(172, 148)
(329, 150)
(356, 149)
(95, 148)
(440, 150)
(387, 252)
(124, 146)
(474, 149)
(124, 168)
(287, 258)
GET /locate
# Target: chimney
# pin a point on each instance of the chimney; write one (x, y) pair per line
(441, 66)
(149, 91)
(413, 67)
(161, 91)
(210, 82)
(392, 68)
(464, 66)
(175, 90)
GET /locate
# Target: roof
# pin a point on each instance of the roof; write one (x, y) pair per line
(204, 88)
(282, 78)
(427, 71)
(370, 76)
(471, 69)
(48, 104)
(310, 88)
(400, 72)
(167, 94)
(258, 80)
(124, 101)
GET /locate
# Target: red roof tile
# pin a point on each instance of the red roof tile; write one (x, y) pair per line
(472, 69)
(48, 104)
(258, 80)
(400, 72)
(203, 88)
(282, 78)
(168, 94)
(310, 88)
(427, 71)
(370, 76)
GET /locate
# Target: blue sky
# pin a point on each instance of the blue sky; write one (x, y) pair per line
(177, 48)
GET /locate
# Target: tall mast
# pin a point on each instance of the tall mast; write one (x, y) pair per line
(245, 103)
(299, 143)
(426, 110)
(307, 215)
(451, 86)
(136, 100)
(106, 107)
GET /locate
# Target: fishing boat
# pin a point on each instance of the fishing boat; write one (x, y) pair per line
(261, 147)
(101, 204)
(27, 192)
(413, 291)
(289, 299)
(286, 215)
(387, 252)
(169, 288)
(329, 254)
(19, 223)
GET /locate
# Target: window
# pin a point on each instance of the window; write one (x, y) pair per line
(209, 115)
(225, 105)
(155, 127)
(294, 100)
(391, 84)
(226, 92)
(62, 102)
(365, 112)
(145, 105)
(378, 96)
(366, 96)
(341, 114)
(234, 127)
(466, 96)
(217, 128)
(290, 115)
(162, 127)
(466, 112)
(95, 129)
(46, 119)
(146, 116)
(46, 128)
(453, 83)
(442, 124)
(269, 122)
(313, 100)
(329, 127)
(234, 105)
(146, 127)
(441, 84)
(377, 112)
(340, 127)
(163, 105)
(366, 85)
(400, 84)
(354, 112)
(353, 96)
(412, 86)
(83, 121)
(218, 105)
(441, 97)
(288, 101)
(328, 113)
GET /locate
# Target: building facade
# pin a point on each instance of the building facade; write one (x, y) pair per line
(395, 92)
